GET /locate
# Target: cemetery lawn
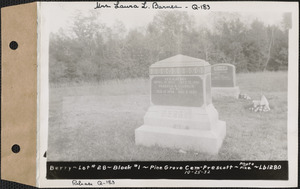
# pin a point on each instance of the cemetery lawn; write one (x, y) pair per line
(96, 122)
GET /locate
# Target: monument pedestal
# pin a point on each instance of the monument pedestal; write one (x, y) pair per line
(206, 141)
(196, 129)
(225, 92)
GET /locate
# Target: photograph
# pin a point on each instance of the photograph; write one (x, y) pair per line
(177, 94)
(166, 85)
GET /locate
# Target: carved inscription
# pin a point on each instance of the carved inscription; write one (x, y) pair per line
(176, 114)
(177, 91)
(178, 71)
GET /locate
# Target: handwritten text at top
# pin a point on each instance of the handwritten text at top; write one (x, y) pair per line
(153, 5)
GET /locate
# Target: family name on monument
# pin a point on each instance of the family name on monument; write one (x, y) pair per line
(224, 80)
(181, 114)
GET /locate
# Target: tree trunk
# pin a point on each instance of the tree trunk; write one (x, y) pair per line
(269, 53)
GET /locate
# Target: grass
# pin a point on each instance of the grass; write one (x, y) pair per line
(96, 122)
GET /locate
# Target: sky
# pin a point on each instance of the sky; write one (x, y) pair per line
(60, 14)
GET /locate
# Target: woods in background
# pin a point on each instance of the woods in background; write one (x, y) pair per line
(91, 51)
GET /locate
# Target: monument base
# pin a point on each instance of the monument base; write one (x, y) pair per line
(206, 141)
(225, 92)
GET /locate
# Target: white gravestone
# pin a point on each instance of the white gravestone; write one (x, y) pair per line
(224, 81)
(181, 114)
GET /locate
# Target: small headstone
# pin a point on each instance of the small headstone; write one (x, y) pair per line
(224, 80)
(181, 114)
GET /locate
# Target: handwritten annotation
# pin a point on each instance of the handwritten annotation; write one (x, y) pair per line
(90, 183)
(153, 5)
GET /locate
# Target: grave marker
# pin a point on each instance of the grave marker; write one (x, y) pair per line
(224, 80)
(181, 114)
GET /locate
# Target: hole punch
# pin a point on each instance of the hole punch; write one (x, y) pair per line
(13, 45)
(15, 148)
